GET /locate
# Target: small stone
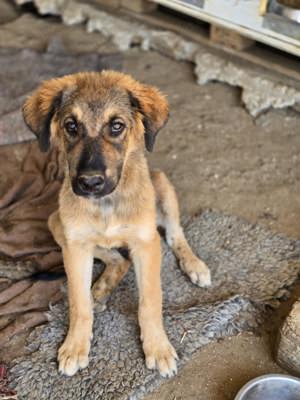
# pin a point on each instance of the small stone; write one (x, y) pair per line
(8, 12)
(53, 7)
(173, 45)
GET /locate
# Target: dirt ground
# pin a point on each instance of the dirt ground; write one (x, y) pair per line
(218, 157)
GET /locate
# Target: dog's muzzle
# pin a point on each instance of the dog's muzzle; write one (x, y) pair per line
(92, 184)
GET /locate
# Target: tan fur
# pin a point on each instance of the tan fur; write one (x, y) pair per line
(87, 228)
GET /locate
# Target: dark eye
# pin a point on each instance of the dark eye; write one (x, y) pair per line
(116, 127)
(71, 126)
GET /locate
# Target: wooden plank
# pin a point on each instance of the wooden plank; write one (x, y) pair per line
(107, 3)
(139, 6)
(229, 38)
(263, 7)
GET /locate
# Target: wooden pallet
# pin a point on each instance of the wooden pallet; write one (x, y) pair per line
(265, 59)
(248, 18)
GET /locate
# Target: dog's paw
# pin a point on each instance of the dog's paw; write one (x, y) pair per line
(100, 295)
(100, 307)
(73, 355)
(198, 272)
(161, 355)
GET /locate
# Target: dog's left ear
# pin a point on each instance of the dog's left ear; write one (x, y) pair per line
(153, 106)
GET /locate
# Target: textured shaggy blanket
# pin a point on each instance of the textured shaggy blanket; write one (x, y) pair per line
(252, 269)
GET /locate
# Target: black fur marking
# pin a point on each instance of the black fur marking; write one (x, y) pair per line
(134, 102)
(43, 133)
(150, 134)
(91, 158)
(124, 252)
(93, 106)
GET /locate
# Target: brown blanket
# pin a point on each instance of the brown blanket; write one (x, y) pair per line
(25, 208)
(26, 245)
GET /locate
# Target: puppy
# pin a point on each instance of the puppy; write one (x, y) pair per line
(102, 123)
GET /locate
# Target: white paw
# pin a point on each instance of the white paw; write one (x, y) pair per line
(161, 355)
(73, 355)
(199, 273)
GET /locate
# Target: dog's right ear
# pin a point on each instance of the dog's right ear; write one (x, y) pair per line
(40, 108)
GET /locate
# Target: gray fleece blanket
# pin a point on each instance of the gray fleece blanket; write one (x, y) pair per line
(252, 269)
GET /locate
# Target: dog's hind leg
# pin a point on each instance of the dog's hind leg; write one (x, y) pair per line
(168, 218)
(116, 267)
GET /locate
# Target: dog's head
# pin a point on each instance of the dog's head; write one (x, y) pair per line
(97, 120)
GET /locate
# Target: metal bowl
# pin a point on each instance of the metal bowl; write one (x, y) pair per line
(291, 13)
(271, 387)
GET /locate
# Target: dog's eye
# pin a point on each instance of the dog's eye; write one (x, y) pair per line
(116, 128)
(71, 126)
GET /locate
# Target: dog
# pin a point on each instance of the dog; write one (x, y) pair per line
(102, 123)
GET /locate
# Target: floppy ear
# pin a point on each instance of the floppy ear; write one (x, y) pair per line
(40, 108)
(153, 105)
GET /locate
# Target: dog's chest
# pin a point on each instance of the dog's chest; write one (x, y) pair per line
(110, 232)
(121, 234)
(103, 226)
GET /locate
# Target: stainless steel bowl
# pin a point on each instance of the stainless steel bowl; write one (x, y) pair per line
(291, 13)
(271, 387)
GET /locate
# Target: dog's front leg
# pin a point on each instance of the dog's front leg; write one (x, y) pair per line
(159, 353)
(78, 262)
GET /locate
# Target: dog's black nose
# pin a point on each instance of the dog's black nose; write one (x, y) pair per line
(91, 184)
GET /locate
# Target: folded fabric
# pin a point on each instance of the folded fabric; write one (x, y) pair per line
(27, 246)
(25, 208)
